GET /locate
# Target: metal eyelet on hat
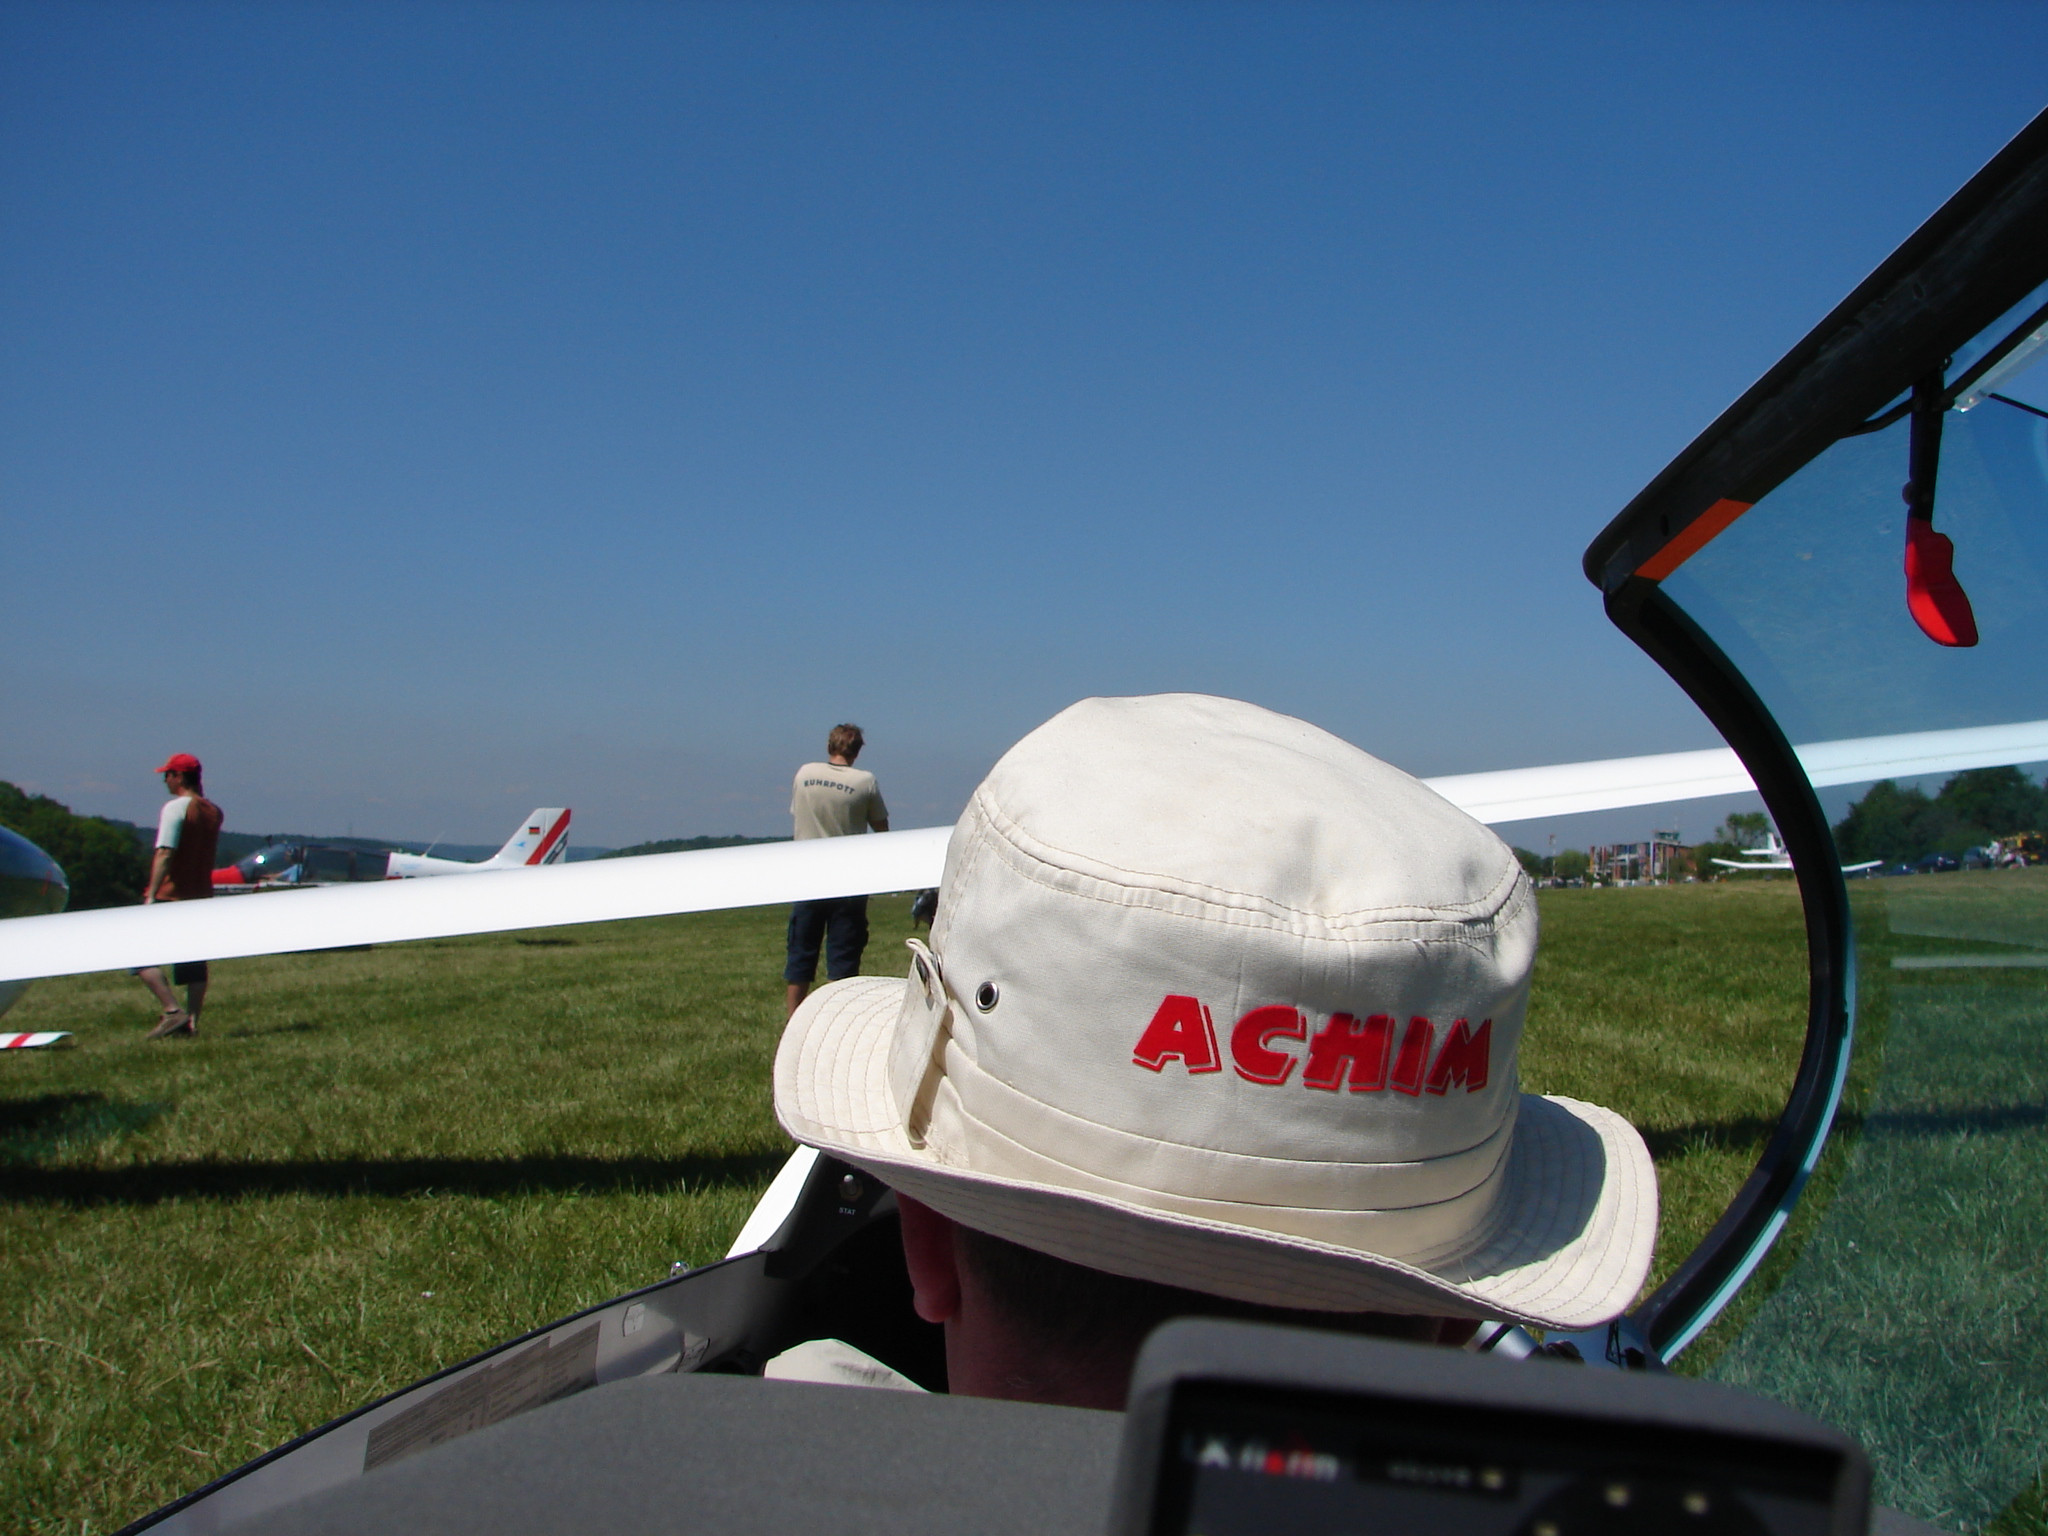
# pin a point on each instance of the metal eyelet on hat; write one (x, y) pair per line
(985, 996)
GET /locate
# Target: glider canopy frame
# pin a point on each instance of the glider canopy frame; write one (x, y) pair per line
(1980, 255)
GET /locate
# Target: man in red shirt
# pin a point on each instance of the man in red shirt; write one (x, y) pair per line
(181, 869)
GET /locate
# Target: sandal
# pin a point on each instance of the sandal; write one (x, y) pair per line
(176, 1021)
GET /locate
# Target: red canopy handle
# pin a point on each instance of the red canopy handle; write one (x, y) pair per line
(1934, 597)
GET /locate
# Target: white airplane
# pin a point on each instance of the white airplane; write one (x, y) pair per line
(1773, 856)
(543, 838)
(31, 884)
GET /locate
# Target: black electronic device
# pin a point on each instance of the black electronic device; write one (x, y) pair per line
(1239, 1429)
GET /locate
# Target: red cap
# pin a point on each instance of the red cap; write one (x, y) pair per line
(180, 762)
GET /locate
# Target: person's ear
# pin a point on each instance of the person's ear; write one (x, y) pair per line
(929, 1254)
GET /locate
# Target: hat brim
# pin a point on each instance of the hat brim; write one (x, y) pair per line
(1567, 1242)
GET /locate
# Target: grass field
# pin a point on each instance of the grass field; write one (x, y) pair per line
(374, 1164)
(1913, 1313)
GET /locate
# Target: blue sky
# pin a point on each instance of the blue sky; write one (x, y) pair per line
(424, 412)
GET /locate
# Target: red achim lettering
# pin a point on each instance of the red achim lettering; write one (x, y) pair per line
(1464, 1058)
(1181, 1028)
(1347, 1052)
(1354, 1046)
(1413, 1059)
(1256, 1060)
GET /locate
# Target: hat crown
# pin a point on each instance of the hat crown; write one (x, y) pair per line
(1247, 806)
(1229, 943)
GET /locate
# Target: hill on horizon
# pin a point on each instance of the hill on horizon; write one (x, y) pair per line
(106, 859)
(245, 843)
(685, 845)
(109, 857)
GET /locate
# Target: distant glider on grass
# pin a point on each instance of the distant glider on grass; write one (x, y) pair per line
(31, 884)
(541, 839)
(1773, 856)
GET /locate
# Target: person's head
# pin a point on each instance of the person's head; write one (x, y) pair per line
(1022, 1324)
(1217, 1003)
(181, 774)
(845, 743)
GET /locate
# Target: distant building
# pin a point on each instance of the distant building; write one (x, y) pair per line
(1661, 858)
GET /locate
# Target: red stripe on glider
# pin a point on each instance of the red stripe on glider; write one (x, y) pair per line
(561, 825)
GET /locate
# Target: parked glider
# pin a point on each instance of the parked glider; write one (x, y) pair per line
(31, 884)
(542, 838)
(1773, 856)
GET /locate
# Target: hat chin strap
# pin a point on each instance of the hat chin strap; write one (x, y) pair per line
(917, 1050)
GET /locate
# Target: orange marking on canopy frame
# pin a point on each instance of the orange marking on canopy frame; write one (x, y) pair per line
(1692, 538)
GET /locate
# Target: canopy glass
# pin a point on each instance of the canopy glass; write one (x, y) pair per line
(1907, 1303)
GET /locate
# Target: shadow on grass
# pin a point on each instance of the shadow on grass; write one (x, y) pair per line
(254, 1031)
(153, 1183)
(31, 1129)
(1749, 1133)
(1949, 1122)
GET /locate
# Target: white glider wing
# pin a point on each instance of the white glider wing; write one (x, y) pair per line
(1519, 794)
(763, 874)
(388, 911)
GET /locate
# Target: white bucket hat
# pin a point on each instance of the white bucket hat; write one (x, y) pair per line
(1217, 1000)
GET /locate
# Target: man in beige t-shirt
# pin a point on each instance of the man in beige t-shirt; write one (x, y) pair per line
(831, 799)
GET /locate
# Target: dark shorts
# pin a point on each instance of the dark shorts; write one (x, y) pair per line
(183, 974)
(838, 926)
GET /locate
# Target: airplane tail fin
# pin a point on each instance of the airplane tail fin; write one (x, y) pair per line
(543, 838)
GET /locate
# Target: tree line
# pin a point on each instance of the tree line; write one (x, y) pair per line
(1742, 829)
(106, 861)
(687, 845)
(1897, 826)
(1903, 825)
(1565, 864)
